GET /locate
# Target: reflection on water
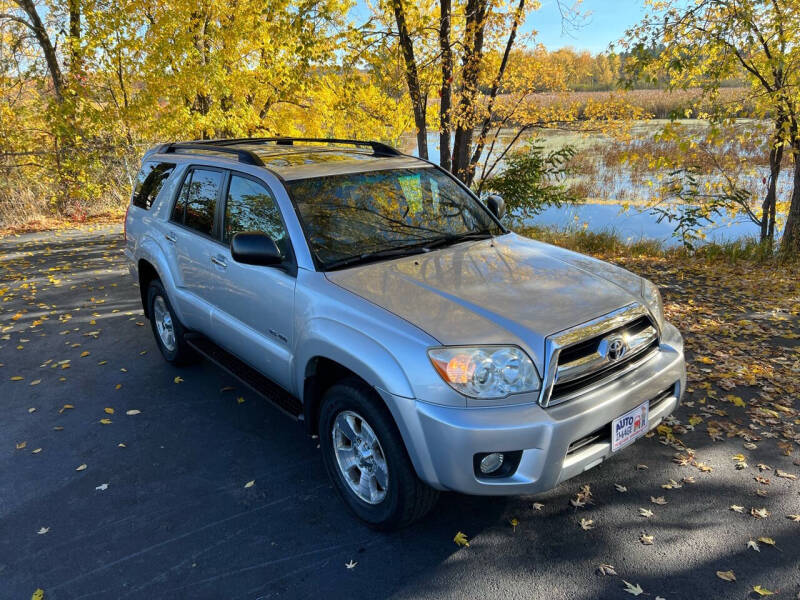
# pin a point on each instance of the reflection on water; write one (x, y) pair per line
(618, 185)
(636, 224)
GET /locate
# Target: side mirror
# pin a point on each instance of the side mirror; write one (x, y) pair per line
(255, 248)
(496, 204)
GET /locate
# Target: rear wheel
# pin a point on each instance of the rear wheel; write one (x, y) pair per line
(366, 459)
(167, 329)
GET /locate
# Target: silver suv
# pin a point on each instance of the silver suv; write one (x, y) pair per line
(373, 296)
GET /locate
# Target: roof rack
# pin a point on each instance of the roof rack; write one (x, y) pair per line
(244, 156)
(377, 147)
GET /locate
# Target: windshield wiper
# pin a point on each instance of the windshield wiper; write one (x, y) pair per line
(375, 255)
(454, 238)
(408, 250)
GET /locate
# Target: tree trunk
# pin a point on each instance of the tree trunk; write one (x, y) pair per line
(48, 50)
(445, 123)
(768, 206)
(418, 100)
(473, 55)
(790, 244)
(481, 144)
(75, 65)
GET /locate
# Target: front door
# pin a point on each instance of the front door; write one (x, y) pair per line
(254, 305)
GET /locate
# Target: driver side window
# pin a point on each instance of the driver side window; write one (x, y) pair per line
(250, 206)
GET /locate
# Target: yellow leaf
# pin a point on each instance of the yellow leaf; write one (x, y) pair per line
(108, 411)
(240, 400)
(250, 483)
(81, 467)
(36, 451)
(21, 445)
(118, 386)
(695, 420)
(738, 457)
(766, 540)
(761, 591)
(178, 379)
(84, 354)
(461, 539)
(36, 382)
(105, 421)
(726, 575)
(705, 360)
(16, 378)
(737, 401)
(38, 594)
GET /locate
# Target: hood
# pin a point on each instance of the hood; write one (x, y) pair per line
(509, 289)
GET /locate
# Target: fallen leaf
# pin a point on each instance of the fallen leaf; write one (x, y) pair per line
(102, 487)
(16, 378)
(661, 501)
(351, 565)
(118, 386)
(737, 508)
(606, 570)
(587, 524)
(132, 412)
(21, 445)
(761, 591)
(108, 411)
(461, 540)
(738, 457)
(81, 467)
(36, 451)
(513, 523)
(726, 575)
(759, 513)
(537, 506)
(795, 518)
(634, 590)
(240, 400)
(752, 544)
(38, 594)
(43, 530)
(785, 475)
(620, 488)
(642, 467)
(647, 540)
(105, 421)
(178, 379)
(35, 382)
(643, 512)
(250, 483)
(766, 540)
(84, 354)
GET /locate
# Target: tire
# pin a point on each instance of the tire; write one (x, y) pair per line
(173, 347)
(404, 498)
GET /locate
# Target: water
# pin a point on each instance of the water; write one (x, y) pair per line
(632, 224)
(635, 224)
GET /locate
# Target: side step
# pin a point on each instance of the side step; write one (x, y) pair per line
(261, 385)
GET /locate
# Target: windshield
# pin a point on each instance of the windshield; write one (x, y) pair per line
(359, 215)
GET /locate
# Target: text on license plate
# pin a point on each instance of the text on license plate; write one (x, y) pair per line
(628, 427)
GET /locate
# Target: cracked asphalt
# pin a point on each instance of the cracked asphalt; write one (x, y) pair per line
(161, 509)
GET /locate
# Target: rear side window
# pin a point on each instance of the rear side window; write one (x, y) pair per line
(197, 201)
(251, 207)
(149, 182)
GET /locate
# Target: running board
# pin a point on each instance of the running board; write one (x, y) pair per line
(261, 385)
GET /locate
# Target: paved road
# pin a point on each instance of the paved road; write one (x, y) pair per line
(176, 520)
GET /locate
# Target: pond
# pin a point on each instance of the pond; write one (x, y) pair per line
(619, 190)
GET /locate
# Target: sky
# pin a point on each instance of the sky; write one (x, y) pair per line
(606, 23)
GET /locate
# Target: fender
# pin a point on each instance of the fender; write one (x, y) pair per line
(151, 251)
(351, 348)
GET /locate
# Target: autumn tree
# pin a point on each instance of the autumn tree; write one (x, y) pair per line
(708, 42)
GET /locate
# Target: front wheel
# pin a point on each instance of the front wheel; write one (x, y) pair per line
(366, 459)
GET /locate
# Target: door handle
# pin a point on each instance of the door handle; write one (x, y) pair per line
(219, 261)
(170, 238)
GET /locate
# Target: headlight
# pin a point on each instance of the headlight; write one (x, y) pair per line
(486, 371)
(652, 298)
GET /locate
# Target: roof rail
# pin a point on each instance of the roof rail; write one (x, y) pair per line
(244, 156)
(377, 147)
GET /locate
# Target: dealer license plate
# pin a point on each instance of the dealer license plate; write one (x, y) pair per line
(629, 427)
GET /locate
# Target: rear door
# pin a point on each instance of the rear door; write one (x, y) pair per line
(254, 313)
(192, 239)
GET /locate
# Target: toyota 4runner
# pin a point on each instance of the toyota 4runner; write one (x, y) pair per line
(373, 296)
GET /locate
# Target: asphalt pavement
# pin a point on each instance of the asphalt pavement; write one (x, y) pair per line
(124, 477)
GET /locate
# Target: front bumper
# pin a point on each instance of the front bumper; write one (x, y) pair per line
(442, 441)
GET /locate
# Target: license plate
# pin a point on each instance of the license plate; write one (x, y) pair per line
(629, 427)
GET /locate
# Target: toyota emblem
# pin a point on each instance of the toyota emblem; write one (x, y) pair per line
(616, 348)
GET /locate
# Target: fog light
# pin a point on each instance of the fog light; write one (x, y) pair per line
(491, 462)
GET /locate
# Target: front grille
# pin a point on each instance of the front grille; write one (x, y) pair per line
(587, 362)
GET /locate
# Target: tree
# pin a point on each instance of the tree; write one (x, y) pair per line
(707, 42)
